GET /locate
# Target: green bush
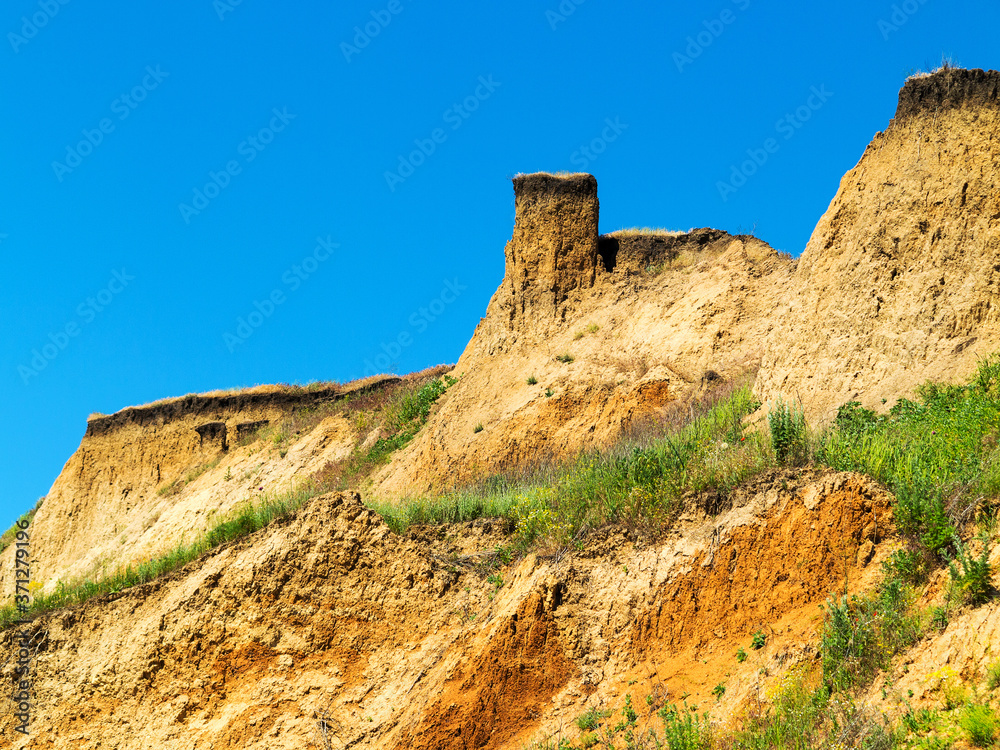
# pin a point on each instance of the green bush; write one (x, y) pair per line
(972, 577)
(908, 566)
(788, 434)
(861, 634)
(684, 729)
(980, 724)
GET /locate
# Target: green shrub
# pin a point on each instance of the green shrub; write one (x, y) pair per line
(684, 729)
(565, 358)
(980, 724)
(788, 434)
(758, 641)
(741, 655)
(908, 566)
(532, 380)
(861, 634)
(971, 577)
(853, 419)
(478, 427)
(939, 617)
(591, 720)
(993, 675)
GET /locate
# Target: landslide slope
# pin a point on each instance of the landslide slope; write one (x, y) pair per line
(146, 478)
(403, 643)
(900, 280)
(611, 327)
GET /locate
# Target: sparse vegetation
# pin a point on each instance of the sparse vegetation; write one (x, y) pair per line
(399, 414)
(406, 410)
(10, 534)
(532, 380)
(565, 358)
(478, 427)
(862, 633)
(174, 487)
(758, 641)
(645, 232)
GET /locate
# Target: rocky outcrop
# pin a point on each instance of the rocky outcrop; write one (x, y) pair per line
(588, 335)
(553, 251)
(900, 280)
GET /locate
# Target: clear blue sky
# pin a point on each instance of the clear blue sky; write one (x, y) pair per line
(168, 165)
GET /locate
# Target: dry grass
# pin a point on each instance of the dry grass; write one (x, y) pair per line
(274, 388)
(646, 232)
(561, 175)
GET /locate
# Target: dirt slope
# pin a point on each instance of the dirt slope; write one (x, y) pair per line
(899, 282)
(644, 318)
(108, 504)
(403, 646)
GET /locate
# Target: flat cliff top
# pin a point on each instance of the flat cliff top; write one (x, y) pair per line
(553, 184)
(948, 88)
(277, 396)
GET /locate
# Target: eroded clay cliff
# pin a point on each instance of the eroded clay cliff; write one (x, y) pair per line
(900, 280)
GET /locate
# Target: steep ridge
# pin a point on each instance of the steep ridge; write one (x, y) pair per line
(643, 317)
(402, 643)
(114, 500)
(899, 281)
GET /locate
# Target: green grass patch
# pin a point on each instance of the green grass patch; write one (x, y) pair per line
(399, 417)
(938, 454)
(641, 480)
